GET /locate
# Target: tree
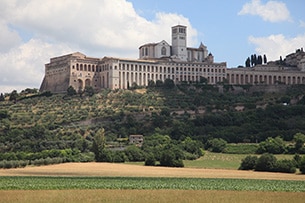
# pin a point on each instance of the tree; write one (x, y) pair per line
(259, 60)
(302, 165)
(266, 162)
(169, 158)
(299, 139)
(247, 63)
(203, 80)
(265, 59)
(151, 83)
(248, 163)
(71, 91)
(98, 146)
(13, 96)
(216, 145)
(2, 98)
(272, 145)
(89, 91)
(169, 83)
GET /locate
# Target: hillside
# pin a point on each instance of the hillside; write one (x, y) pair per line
(36, 123)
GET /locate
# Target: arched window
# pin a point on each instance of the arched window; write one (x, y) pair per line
(163, 51)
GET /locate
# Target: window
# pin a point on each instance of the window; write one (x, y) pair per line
(163, 51)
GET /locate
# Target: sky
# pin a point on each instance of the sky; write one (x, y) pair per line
(33, 31)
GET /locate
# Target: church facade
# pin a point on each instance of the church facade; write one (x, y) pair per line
(159, 61)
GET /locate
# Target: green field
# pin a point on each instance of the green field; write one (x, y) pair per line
(148, 183)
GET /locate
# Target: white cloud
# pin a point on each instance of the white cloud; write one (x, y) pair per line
(275, 46)
(302, 23)
(23, 67)
(273, 11)
(96, 28)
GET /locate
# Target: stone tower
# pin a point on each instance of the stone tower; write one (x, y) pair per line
(179, 42)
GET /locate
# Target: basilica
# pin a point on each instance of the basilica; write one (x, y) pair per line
(160, 61)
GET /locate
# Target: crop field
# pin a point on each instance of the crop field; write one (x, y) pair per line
(106, 182)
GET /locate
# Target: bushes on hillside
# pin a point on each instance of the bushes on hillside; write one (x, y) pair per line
(268, 162)
(216, 145)
(272, 145)
(248, 163)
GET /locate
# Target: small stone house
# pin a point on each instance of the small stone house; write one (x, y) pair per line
(136, 140)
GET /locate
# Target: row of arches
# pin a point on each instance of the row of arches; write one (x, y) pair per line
(242, 78)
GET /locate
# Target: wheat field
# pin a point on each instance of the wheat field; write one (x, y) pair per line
(126, 170)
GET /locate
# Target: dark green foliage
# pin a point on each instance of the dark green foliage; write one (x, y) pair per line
(169, 84)
(71, 91)
(150, 160)
(134, 153)
(4, 114)
(285, 166)
(299, 140)
(248, 163)
(272, 145)
(2, 98)
(302, 165)
(216, 145)
(241, 148)
(89, 91)
(266, 162)
(169, 158)
(13, 96)
(98, 146)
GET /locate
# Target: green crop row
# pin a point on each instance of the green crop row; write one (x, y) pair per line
(148, 183)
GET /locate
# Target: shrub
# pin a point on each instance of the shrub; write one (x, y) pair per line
(150, 160)
(248, 163)
(168, 158)
(272, 145)
(216, 145)
(266, 162)
(302, 165)
(285, 166)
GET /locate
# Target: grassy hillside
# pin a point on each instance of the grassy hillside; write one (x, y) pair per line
(36, 123)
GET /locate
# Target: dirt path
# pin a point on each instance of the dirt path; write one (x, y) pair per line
(109, 169)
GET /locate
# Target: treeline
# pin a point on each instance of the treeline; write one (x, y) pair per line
(45, 157)
(268, 162)
(156, 148)
(255, 60)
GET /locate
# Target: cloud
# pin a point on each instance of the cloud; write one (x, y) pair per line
(302, 24)
(23, 66)
(97, 28)
(272, 11)
(275, 46)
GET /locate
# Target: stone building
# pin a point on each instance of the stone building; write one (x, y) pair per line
(161, 61)
(290, 71)
(157, 61)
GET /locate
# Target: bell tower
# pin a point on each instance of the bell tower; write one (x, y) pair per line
(179, 42)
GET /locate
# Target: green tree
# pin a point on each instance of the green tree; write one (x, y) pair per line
(299, 139)
(71, 91)
(272, 145)
(169, 83)
(266, 162)
(248, 163)
(247, 63)
(89, 91)
(265, 59)
(98, 146)
(302, 165)
(2, 98)
(150, 160)
(216, 145)
(13, 96)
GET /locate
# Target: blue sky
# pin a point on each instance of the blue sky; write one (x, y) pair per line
(32, 32)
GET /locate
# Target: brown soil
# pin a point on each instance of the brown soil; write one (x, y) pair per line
(110, 169)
